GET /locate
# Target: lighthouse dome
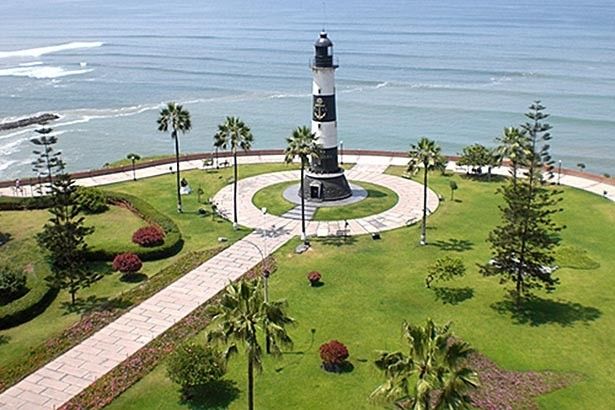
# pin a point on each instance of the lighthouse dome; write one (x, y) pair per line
(323, 40)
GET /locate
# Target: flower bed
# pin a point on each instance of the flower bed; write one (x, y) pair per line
(96, 320)
(104, 390)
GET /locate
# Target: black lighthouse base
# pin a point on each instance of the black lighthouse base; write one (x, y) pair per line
(326, 187)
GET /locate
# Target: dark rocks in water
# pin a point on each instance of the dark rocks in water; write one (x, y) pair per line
(24, 122)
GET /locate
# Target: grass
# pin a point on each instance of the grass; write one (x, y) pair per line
(198, 232)
(379, 199)
(371, 286)
(272, 198)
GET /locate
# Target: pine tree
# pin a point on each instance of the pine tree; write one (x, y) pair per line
(522, 245)
(63, 238)
(48, 162)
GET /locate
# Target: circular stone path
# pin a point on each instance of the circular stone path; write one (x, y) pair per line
(406, 211)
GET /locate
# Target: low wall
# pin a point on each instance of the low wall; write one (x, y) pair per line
(223, 154)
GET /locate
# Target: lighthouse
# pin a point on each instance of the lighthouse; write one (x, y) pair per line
(325, 180)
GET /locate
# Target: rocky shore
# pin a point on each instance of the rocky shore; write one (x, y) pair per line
(24, 122)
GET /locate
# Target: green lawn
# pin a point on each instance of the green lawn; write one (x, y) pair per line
(379, 199)
(22, 251)
(371, 286)
(117, 224)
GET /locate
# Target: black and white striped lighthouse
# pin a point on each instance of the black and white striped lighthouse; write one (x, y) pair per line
(325, 180)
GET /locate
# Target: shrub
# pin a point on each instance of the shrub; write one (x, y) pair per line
(444, 269)
(333, 355)
(314, 277)
(195, 365)
(91, 200)
(30, 305)
(12, 284)
(173, 242)
(148, 236)
(127, 263)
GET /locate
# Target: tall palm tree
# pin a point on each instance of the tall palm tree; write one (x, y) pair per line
(432, 374)
(175, 118)
(133, 159)
(514, 145)
(426, 153)
(234, 134)
(218, 143)
(239, 319)
(302, 144)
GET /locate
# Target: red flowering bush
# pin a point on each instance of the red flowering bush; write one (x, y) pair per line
(314, 277)
(333, 355)
(148, 236)
(127, 263)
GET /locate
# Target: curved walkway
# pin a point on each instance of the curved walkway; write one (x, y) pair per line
(407, 210)
(63, 378)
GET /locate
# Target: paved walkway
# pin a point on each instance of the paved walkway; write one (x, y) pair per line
(407, 210)
(66, 376)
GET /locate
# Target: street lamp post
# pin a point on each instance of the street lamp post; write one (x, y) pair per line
(559, 171)
(342, 152)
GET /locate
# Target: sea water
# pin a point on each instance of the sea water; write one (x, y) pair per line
(455, 71)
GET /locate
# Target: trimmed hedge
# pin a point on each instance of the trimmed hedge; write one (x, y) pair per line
(28, 306)
(173, 242)
(98, 318)
(10, 203)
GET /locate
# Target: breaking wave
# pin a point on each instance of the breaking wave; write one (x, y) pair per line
(37, 52)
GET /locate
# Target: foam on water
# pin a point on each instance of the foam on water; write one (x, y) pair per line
(41, 72)
(40, 51)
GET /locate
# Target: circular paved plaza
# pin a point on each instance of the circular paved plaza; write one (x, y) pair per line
(406, 211)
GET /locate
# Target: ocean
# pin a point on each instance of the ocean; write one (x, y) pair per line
(455, 71)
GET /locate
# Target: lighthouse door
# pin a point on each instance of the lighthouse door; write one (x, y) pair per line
(315, 191)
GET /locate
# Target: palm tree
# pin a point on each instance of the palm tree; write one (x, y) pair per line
(218, 143)
(432, 374)
(133, 159)
(234, 134)
(241, 316)
(302, 144)
(174, 117)
(514, 145)
(426, 153)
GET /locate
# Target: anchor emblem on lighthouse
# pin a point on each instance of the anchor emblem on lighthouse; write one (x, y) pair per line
(320, 109)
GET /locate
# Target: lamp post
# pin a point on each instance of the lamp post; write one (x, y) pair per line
(342, 152)
(559, 170)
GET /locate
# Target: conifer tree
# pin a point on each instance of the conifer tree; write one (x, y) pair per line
(522, 245)
(63, 238)
(48, 162)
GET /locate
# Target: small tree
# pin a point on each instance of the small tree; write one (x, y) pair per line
(193, 365)
(445, 269)
(63, 238)
(133, 160)
(453, 185)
